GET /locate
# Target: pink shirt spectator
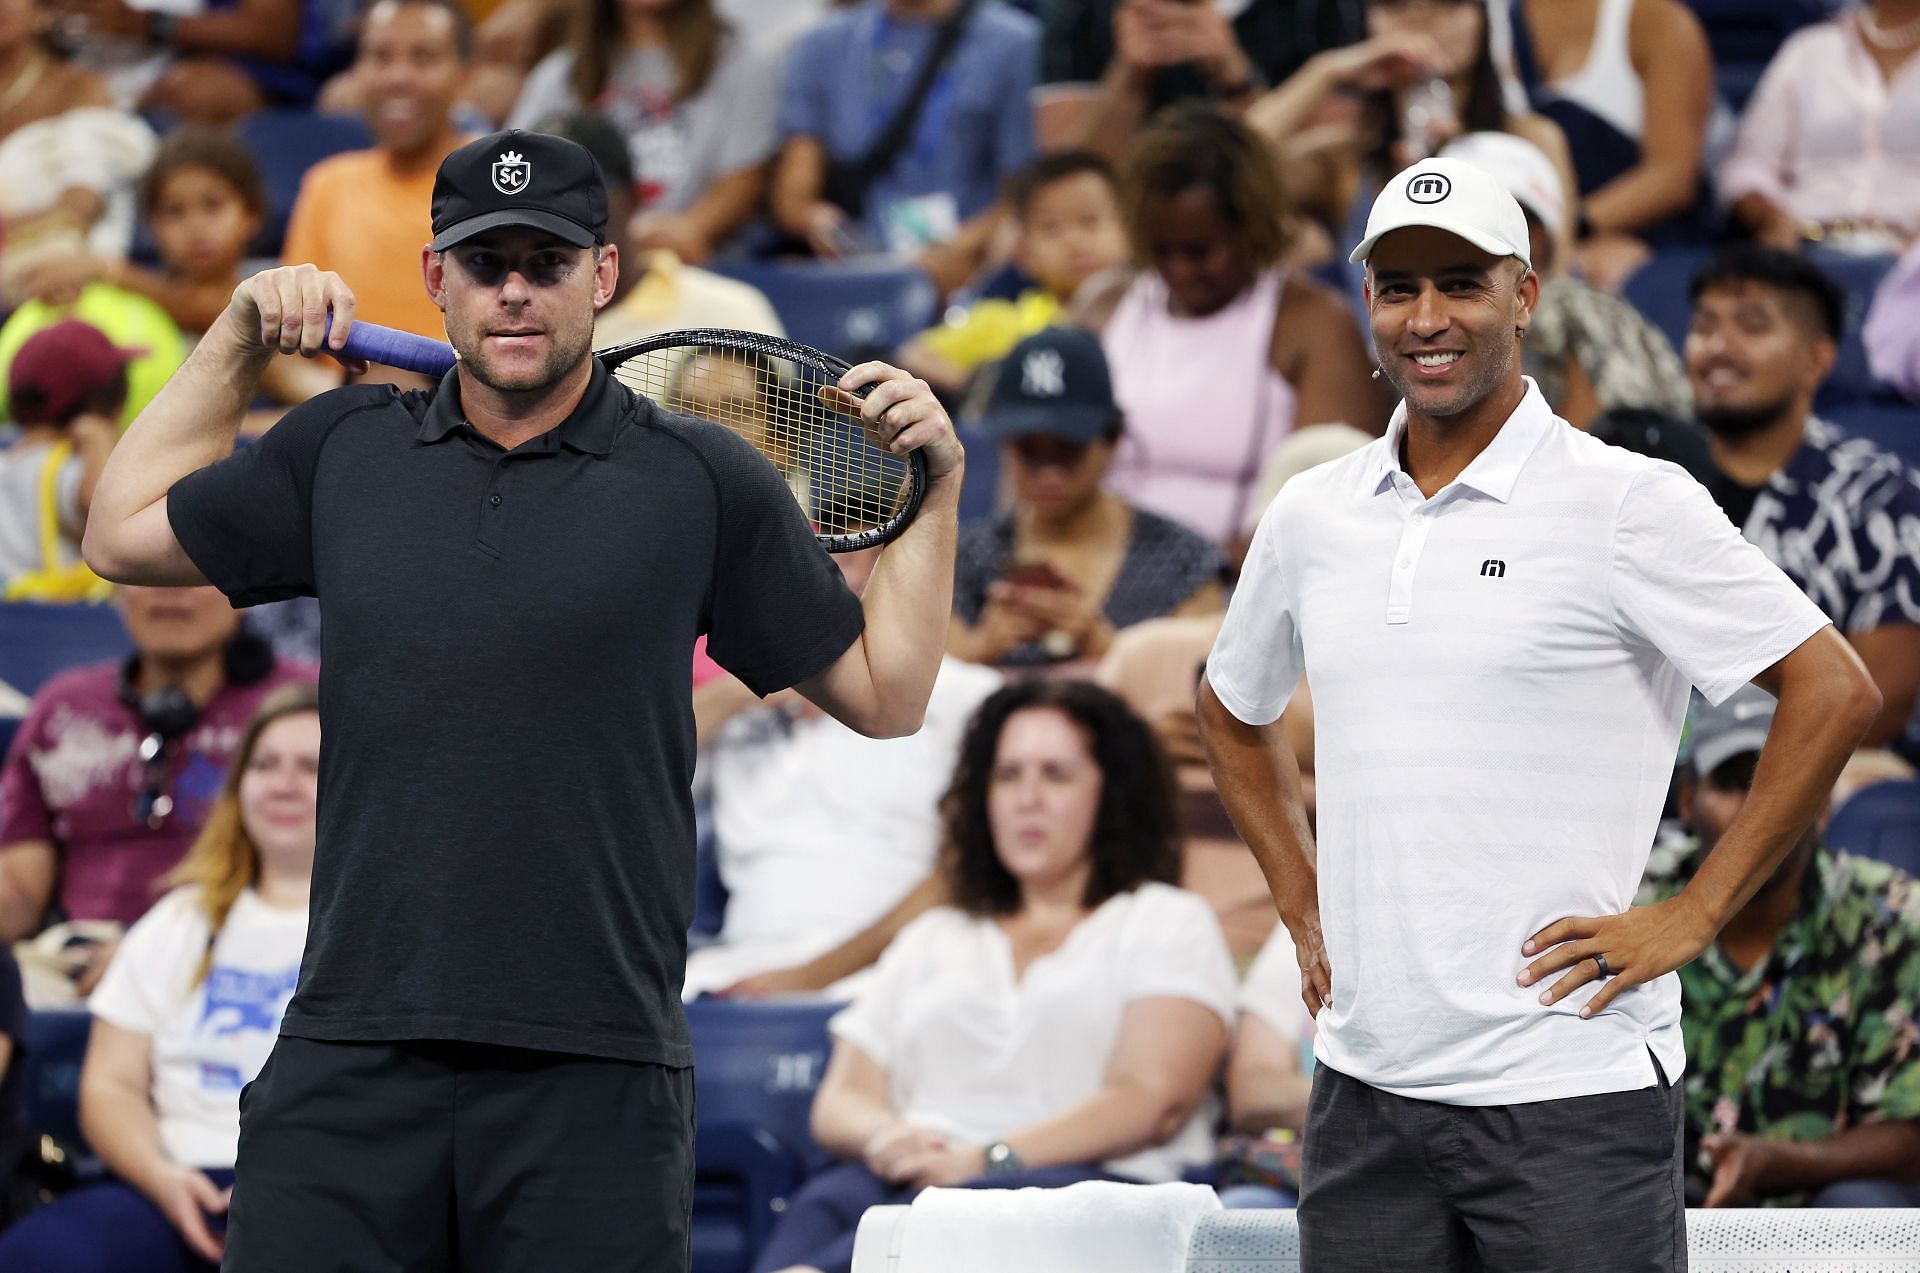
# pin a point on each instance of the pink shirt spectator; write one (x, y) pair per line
(1892, 331)
(1827, 137)
(1202, 403)
(73, 774)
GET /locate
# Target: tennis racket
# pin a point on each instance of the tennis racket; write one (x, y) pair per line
(777, 394)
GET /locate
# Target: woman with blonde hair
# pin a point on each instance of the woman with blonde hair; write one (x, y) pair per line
(694, 99)
(186, 1016)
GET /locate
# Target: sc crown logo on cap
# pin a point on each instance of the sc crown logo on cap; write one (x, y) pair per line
(511, 173)
(1429, 187)
(1044, 374)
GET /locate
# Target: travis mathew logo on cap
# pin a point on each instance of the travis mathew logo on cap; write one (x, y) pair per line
(511, 173)
(1429, 187)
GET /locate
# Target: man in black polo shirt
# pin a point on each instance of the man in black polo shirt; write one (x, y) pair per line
(485, 1066)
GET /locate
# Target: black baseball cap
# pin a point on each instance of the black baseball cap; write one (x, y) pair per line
(1054, 383)
(519, 178)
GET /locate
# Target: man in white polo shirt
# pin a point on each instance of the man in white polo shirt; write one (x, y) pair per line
(1500, 618)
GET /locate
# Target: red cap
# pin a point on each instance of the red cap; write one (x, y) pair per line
(59, 368)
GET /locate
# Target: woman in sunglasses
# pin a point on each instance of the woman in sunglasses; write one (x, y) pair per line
(1053, 578)
(186, 1016)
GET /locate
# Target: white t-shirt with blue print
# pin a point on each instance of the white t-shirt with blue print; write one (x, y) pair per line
(210, 1039)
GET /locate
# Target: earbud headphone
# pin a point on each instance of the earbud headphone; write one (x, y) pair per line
(247, 659)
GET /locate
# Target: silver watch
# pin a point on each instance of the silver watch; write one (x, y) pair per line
(1001, 1160)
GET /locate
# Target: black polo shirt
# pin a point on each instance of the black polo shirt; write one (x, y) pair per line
(506, 849)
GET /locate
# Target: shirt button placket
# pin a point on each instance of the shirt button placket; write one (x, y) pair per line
(493, 511)
(1406, 561)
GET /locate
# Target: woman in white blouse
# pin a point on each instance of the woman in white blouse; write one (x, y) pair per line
(185, 1017)
(1062, 1019)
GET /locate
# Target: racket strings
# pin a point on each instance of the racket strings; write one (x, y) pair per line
(791, 414)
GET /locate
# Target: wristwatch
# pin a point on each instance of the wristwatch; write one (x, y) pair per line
(1001, 1160)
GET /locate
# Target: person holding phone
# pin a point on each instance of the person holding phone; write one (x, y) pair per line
(1054, 577)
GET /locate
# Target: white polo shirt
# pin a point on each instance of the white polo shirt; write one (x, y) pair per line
(1500, 676)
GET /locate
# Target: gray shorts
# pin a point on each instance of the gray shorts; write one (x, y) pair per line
(1589, 1184)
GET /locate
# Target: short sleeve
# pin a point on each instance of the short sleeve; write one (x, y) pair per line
(1175, 950)
(782, 611)
(246, 521)
(1271, 990)
(805, 94)
(1258, 659)
(1685, 582)
(142, 987)
(750, 81)
(872, 1021)
(24, 812)
(1886, 1070)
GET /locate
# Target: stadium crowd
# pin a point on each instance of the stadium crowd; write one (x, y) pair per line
(1113, 234)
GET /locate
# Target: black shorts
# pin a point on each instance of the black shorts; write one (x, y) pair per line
(430, 1157)
(1588, 1184)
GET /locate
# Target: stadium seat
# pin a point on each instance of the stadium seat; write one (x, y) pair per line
(55, 1045)
(1744, 35)
(285, 144)
(1881, 822)
(39, 641)
(1888, 420)
(848, 309)
(759, 1064)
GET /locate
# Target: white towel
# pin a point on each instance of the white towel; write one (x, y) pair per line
(1097, 1226)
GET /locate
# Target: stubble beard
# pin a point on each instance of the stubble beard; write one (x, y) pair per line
(1485, 375)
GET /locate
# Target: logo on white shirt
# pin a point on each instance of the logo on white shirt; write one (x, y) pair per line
(1044, 374)
(1494, 567)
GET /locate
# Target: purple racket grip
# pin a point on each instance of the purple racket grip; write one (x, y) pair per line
(400, 349)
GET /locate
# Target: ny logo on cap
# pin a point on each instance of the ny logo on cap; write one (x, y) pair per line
(511, 173)
(1429, 187)
(1044, 374)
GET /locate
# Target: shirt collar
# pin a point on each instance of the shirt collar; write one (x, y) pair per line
(1494, 471)
(588, 430)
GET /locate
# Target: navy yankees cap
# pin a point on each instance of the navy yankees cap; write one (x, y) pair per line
(1055, 383)
(519, 178)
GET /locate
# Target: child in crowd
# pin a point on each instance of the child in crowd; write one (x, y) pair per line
(1067, 210)
(65, 388)
(204, 202)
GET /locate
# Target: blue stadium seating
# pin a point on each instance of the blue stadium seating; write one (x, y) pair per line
(1881, 822)
(759, 1064)
(1744, 35)
(38, 641)
(285, 144)
(844, 308)
(55, 1045)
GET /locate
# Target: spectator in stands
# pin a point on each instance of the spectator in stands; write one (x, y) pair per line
(1066, 213)
(1840, 516)
(187, 1019)
(204, 201)
(19, 1147)
(932, 198)
(1107, 65)
(116, 766)
(1630, 83)
(67, 156)
(1267, 1083)
(1071, 563)
(67, 386)
(204, 64)
(365, 215)
(695, 100)
(1802, 1083)
(657, 291)
(818, 829)
(1827, 148)
(1062, 1021)
(1589, 351)
(1890, 332)
(1218, 348)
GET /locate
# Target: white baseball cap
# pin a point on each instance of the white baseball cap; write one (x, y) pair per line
(1522, 167)
(1450, 195)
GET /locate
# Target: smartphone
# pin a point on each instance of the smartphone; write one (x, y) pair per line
(1034, 574)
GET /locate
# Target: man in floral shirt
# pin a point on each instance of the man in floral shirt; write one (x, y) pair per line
(1802, 1022)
